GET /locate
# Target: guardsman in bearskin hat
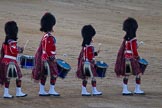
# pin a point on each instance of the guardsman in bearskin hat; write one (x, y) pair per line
(87, 54)
(45, 61)
(9, 52)
(127, 58)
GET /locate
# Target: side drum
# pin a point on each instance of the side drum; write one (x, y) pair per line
(27, 61)
(101, 68)
(143, 64)
(63, 68)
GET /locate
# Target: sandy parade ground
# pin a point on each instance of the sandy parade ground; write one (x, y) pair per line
(107, 17)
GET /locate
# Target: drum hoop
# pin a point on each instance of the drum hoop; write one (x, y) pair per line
(106, 65)
(62, 66)
(144, 63)
(25, 59)
(103, 67)
(27, 56)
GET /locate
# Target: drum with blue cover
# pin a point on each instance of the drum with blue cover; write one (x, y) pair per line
(101, 68)
(143, 64)
(63, 68)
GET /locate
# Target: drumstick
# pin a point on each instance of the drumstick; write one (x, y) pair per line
(99, 47)
(26, 43)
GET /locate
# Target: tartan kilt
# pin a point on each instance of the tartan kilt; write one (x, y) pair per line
(3, 73)
(80, 73)
(53, 68)
(120, 63)
(136, 67)
(39, 71)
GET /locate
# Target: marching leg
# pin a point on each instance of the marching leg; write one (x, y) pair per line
(52, 87)
(84, 90)
(125, 87)
(137, 86)
(42, 91)
(95, 92)
(19, 93)
(6, 90)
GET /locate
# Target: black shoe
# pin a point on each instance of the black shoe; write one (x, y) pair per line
(44, 94)
(86, 94)
(139, 93)
(127, 94)
(8, 97)
(54, 95)
(97, 94)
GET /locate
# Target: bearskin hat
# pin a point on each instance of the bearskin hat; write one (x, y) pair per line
(130, 26)
(87, 33)
(47, 22)
(11, 30)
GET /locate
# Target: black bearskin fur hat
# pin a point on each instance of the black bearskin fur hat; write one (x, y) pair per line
(11, 31)
(87, 33)
(130, 26)
(47, 22)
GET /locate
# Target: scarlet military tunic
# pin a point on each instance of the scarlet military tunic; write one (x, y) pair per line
(46, 50)
(128, 50)
(131, 49)
(48, 45)
(87, 53)
(9, 54)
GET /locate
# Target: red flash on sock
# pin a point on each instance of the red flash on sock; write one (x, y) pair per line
(138, 80)
(93, 83)
(84, 83)
(53, 81)
(43, 80)
(125, 81)
(18, 83)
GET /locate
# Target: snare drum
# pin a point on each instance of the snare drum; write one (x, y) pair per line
(143, 64)
(27, 61)
(101, 68)
(63, 68)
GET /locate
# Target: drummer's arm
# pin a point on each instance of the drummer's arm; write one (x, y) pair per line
(20, 49)
(134, 49)
(96, 53)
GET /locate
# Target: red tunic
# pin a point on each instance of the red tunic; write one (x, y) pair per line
(45, 50)
(9, 54)
(87, 53)
(128, 50)
(48, 46)
(131, 49)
